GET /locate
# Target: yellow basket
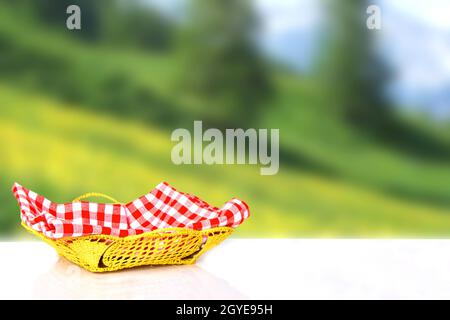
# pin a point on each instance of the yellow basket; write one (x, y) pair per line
(100, 253)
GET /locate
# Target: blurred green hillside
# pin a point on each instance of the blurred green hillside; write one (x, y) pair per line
(62, 152)
(77, 116)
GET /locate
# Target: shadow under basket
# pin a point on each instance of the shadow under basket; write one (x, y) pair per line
(100, 253)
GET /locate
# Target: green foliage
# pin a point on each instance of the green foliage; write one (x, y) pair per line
(136, 25)
(316, 139)
(122, 83)
(53, 13)
(353, 72)
(116, 22)
(223, 65)
(354, 77)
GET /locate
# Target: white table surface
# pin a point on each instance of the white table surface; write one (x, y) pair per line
(244, 269)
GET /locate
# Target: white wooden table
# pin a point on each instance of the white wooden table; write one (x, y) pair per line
(244, 268)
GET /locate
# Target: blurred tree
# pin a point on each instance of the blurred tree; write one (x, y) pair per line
(355, 77)
(131, 23)
(134, 23)
(53, 12)
(353, 74)
(224, 67)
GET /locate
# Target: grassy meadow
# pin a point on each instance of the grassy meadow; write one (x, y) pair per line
(62, 152)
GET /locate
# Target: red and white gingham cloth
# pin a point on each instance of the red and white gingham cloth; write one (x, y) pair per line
(163, 207)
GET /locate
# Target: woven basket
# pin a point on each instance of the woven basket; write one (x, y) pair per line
(169, 246)
(100, 253)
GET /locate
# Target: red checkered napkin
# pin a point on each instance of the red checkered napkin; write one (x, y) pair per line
(163, 207)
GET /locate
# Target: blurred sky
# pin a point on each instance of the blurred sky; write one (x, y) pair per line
(415, 40)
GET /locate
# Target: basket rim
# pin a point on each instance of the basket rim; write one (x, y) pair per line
(157, 232)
